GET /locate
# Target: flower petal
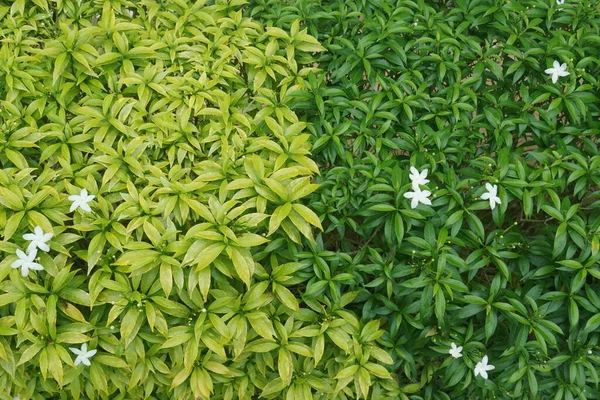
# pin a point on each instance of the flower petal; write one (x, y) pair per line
(91, 353)
(31, 255)
(36, 266)
(43, 246)
(414, 202)
(85, 207)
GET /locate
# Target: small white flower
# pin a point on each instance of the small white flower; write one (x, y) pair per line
(83, 355)
(557, 71)
(418, 178)
(560, 2)
(455, 350)
(81, 200)
(482, 368)
(25, 262)
(491, 195)
(38, 239)
(418, 196)
(17, 397)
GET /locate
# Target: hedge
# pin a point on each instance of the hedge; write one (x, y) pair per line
(229, 199)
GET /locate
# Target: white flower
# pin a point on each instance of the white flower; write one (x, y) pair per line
(38, 239)
(17, 397)
(482, 368)
(418, 196)
(418, 178)
(560, 2)
(557, 71)
(81, 200)
(25, 262)
(83, 355)
(455, 350)
(491, 195)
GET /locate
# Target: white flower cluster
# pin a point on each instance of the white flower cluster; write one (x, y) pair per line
(83, 355)
(417, 195)
(26, 261)
(491, 195)
(558, 70)
(39, 240)
(481, 368)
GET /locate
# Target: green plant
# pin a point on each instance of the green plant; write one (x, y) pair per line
(153, 150)
(462, 89)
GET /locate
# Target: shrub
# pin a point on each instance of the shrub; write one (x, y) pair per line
(464, 90)
(153, 181)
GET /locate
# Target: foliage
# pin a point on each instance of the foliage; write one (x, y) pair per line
(459, 87)
(186, 277)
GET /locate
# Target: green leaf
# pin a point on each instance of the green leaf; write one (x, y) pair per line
(308, 215)
(176, 340)
(243, 267)
(285, 366)
(261, 324)
(286, 297)
(95, 250)
(278, 216)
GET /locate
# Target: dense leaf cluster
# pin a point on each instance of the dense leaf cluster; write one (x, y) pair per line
(216, 136)
(180, 268)
(460, 87)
